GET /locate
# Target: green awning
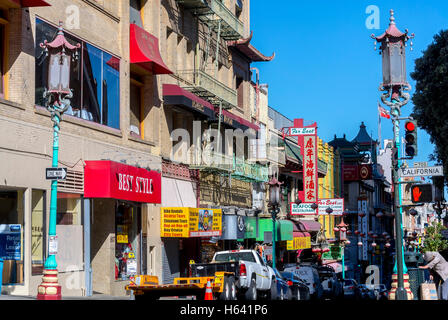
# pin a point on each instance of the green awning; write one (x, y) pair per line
(284, 229)
(292, 150)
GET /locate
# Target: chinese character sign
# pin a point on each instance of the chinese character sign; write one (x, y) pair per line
(310, 184)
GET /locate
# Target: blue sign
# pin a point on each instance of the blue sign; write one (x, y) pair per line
(10, 241)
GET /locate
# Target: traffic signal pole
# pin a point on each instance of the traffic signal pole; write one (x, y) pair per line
(400, 267)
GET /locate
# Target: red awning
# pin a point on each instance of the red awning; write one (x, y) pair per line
(145, 51)
(114, 180)
(35, 3)
(175, 90)
(239, 120)
(308, 225)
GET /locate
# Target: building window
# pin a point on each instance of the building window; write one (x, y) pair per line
(94, 79)
(38, 231)
(11, 235)
(135, 114)
(240, 91)
(3, 51)
(135, 7)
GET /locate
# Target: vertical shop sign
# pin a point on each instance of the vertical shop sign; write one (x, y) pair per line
(363, 228)
(310, 169)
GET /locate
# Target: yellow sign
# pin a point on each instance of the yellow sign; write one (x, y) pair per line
(190, 222)
(122, 238)
(298, 243)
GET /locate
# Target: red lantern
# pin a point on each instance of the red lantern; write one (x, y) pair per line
(373, 244)
(349, 232)
(347, 242)
(336, 229)
(387, 245)
(362, 214)
(325, 250)
(359, 244)
(357, 232)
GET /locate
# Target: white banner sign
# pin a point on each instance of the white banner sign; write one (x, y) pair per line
(301, 131)
(421, 172)
(336, 204)
(302, 209)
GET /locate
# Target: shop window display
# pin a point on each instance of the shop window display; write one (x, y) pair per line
(11, 235)
(37, 231)
(127, 241)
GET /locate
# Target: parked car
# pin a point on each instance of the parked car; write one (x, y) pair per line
(351, 289)
(283, 289)
(381, 292)
(309, 274)
(254, 275)
(332, 287)
(299, 289)
(366, 292)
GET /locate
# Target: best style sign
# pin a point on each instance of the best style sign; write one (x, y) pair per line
(109, 179)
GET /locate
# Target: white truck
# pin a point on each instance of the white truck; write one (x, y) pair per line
(252, 275)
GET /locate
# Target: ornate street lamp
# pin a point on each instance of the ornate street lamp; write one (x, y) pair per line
(394, 85)
(60, 54)
(274, 201)
(342, 227)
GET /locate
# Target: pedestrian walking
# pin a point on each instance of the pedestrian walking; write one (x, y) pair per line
(437, 263)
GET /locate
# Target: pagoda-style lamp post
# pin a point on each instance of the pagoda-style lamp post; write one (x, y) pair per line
(343, 241)
(393, 50)
(274, 201)
(60, 53)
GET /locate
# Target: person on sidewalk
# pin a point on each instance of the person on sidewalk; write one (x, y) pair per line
(438, 264)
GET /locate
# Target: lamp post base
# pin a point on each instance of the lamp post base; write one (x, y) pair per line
(49, 289)
(400, 293)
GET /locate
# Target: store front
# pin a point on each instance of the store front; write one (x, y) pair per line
(119, 194)
(189, 235)
(283, 234)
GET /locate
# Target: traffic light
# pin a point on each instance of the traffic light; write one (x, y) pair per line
(411, 138)
(421, 193)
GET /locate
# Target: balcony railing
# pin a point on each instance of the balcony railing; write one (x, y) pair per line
(250, 171)
(207, 87)
(212, 11)
(239, 168)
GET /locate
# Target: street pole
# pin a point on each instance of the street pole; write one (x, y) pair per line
(400, 267)
(57, 96)
(273, 236)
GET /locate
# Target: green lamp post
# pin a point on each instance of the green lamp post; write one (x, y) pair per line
(274, 201)
(60, 53)
(393, 50)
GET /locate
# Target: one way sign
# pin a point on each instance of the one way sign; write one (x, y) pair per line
(56, 173)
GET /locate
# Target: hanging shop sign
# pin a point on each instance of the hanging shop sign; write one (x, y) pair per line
(110, 179)
(10, 241)
(181, 222)
(297, 243)
(302, 209)
(363, 227)
(336, 204)
(301, 131)
(250, 228)
(357, 172)
(233, 227)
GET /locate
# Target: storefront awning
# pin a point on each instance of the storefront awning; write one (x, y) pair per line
(114, 180)
(10, 4)
(309, 225)
(145, 51)
(284, 230)
(236, 121)
(175, 95)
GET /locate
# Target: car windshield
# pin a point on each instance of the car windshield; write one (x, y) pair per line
(348, 282)
(235, 256)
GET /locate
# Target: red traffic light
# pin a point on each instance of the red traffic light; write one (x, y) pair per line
(409, 126)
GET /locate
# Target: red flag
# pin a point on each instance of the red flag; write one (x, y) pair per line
(383, 112)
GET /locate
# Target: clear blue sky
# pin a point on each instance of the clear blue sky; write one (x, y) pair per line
(325, 68)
